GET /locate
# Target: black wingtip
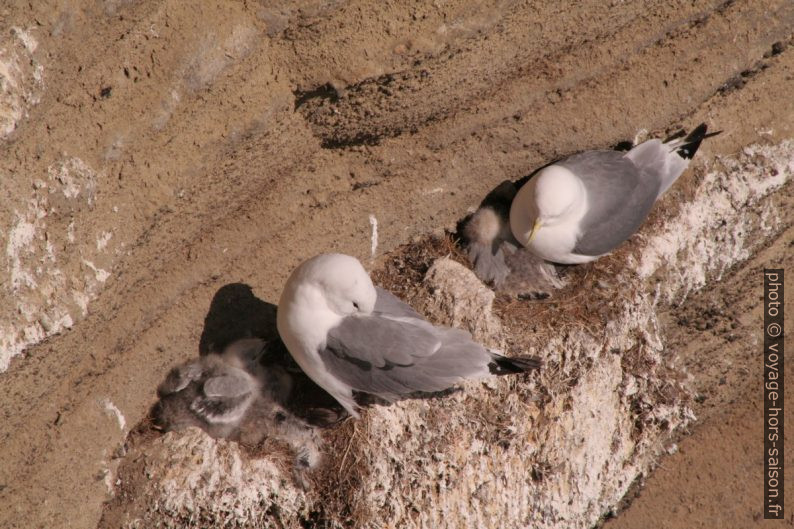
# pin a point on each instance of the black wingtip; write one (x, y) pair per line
(502, 365)
(690, 144)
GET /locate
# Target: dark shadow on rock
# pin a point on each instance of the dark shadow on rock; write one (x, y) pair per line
(235, 313)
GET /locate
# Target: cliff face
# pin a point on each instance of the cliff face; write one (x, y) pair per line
(559, 449)
(156, 156)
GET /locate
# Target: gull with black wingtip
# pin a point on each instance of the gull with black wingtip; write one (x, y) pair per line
(348, 335)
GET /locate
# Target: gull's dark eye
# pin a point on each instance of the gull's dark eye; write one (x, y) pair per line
(355, 305)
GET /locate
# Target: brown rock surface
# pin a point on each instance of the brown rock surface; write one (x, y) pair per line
(156, 151)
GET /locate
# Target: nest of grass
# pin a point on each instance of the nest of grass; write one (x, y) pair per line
(338, 479)
(591, 299)
(403, 271)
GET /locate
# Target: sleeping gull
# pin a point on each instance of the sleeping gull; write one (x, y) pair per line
(577, 209)
(348, 335)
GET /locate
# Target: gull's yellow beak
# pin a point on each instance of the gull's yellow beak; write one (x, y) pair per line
(535, 229)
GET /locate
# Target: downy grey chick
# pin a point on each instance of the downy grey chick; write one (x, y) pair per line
(498, 258)
(231, 395)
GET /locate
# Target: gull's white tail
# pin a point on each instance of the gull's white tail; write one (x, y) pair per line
(669, 158)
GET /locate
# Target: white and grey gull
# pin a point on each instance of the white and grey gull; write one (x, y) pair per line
(577, 209)
(351, 336)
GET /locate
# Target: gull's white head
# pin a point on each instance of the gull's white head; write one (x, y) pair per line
(319, 294)
(554, 196)
(340, 280)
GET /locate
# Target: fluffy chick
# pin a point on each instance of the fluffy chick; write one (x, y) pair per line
(497, 257)
(231, 395)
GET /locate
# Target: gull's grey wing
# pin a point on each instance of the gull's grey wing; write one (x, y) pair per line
(619, 198)
(382, 342)
(389, 358)
(389, 304)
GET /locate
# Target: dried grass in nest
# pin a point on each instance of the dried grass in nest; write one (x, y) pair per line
(277, 451)
(342, 471)
(583, 302)
(143, 433)
(404, 270)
